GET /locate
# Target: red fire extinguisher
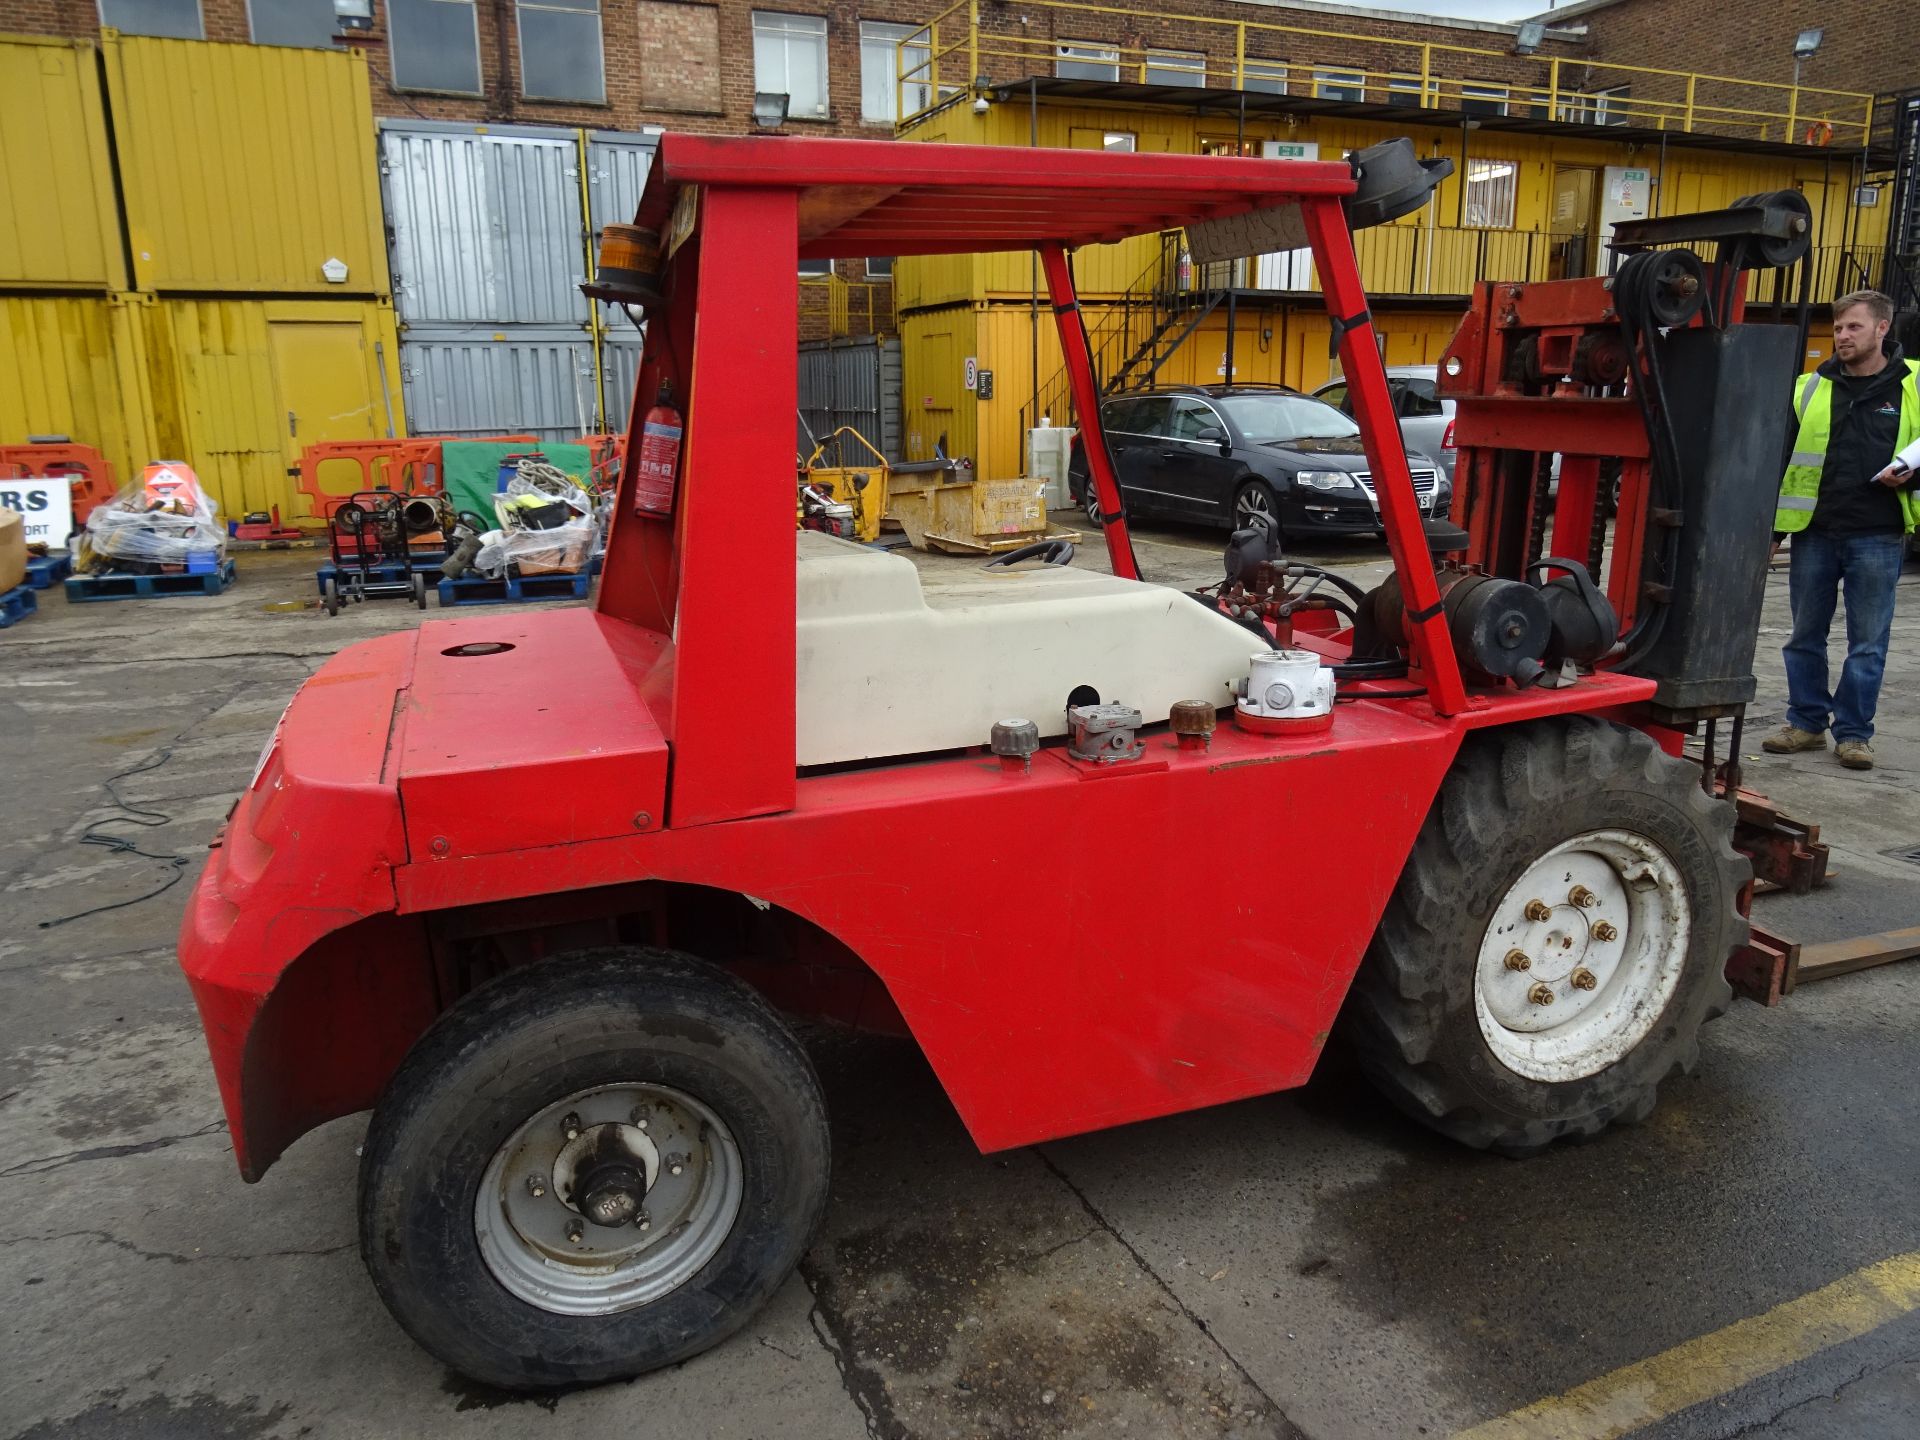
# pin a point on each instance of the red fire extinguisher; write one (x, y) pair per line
(659, 466)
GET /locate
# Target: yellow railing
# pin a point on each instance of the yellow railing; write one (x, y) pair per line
(844, 301)
(951, 54)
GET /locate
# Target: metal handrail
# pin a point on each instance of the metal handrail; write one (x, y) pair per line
(1812, 114)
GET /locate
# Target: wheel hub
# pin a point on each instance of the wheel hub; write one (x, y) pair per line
(607, 1199)
(1581, 955)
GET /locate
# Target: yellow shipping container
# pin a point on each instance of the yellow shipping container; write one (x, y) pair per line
(74, 365)
(59, 225)
(235, 388)
(247, 168)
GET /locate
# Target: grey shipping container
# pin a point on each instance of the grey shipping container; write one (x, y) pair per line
(619, 368)
(487, 226)
(530, 381)
(617, 166)
(851, 382)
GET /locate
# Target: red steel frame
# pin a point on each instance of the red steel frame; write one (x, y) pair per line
(645, 747)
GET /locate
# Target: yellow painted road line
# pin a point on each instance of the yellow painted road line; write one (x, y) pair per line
(1636, 1395)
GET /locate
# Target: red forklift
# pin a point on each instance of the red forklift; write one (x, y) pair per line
(546, 891)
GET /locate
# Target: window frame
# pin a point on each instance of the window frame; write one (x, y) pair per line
(1197, 402)
(1512, 191)
(826, 274)
(893, 45)
(557, 7)
(1250, 64)
(1176, 62)
(1409, 86)
(472, 8)
(1339, 79)
(1089, 53)
(886, 274)
(253, 31)
(1481, 92)
(199, 10)
(824, 36)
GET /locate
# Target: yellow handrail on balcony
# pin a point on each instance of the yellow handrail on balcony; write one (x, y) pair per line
(1747, 108)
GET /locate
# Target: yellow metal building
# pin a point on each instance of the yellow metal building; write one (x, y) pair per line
(220, 295)
(1525, 202)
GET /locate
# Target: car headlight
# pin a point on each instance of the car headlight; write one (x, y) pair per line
(1325, 480)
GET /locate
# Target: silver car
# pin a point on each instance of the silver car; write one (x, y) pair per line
(1426, 416)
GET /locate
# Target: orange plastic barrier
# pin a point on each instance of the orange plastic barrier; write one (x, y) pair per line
(84, 466)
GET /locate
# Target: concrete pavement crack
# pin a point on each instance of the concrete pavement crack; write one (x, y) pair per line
(172, 1257)
(44, 1163)
(1847, 1382)
(863, 1384)
(1287, 1429)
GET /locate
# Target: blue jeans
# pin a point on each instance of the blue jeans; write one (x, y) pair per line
(1868, 567)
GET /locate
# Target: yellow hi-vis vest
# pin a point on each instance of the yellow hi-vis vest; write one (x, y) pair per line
(1813, 403)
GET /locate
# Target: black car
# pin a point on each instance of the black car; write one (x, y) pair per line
(1217, 454)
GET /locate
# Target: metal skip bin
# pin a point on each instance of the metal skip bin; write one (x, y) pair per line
(527, 381)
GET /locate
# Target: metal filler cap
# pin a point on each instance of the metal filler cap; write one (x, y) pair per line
(1193, 722)
(1014, 739)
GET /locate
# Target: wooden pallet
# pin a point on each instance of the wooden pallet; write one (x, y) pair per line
(84, 589)
(46, 571)
(515, 588)
(16, 605)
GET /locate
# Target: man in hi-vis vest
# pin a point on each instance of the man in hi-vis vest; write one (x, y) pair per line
(1849, 502)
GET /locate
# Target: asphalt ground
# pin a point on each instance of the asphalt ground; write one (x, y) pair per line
(1745, 1263)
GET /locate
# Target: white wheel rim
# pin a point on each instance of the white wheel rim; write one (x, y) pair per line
(534, 1236)
(1610, 965)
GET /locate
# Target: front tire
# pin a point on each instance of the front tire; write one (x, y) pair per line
(1254, 498)
(592, 1167)
(1558, 937)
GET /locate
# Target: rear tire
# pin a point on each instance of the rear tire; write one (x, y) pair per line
(1455, 1034)
(475, 1215)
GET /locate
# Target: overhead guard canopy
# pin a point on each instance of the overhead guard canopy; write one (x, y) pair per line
(890, 197)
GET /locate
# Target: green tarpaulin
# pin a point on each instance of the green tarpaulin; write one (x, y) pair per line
(470, 470)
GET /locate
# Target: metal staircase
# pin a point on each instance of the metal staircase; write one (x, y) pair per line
(1894, 146)
(1140, 331)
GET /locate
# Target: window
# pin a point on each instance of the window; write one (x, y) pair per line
(1082, 60)
(560, 51)
(1483, 99)
(1340, 85)
(1336, 396)
(1177, 67)
(1190, 417)
(1269, 77)
(307, 23)
(880, 65)
(1417, 398)
(435, 45)
(1139, 417)
(790, 58)
(174, 19)
(816, 268)
(1490, 191)
(1603, 107)
(879, 267)
(1405, 90)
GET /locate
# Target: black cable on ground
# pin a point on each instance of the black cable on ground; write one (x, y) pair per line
(122, 845)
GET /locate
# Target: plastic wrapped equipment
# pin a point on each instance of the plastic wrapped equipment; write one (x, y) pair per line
(162, 521)
(547, 525)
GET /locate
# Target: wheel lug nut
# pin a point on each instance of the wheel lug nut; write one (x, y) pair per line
(536, 1186)
(1584, 979)
(571, 1125)
(1541, 994)
(1539, 910)
(1518, 960)
(574, 1231)
(1605, 931)
(1583, 897)
(643, 1220)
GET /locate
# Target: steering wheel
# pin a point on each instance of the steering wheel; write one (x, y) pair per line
(1053, 552)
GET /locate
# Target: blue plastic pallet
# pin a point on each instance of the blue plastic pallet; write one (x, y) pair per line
(384, 572)
(46, 571)
(16, 605)
(82, 589)
(516, 588)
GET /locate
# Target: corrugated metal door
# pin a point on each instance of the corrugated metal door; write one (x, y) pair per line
(529, 381)
(487, 225)
(853, 383)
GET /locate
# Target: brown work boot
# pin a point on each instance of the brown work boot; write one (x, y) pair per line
(1855, 754)
(1791, 740)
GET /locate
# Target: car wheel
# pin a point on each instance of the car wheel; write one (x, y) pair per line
(1090, 501)
(1252, 500)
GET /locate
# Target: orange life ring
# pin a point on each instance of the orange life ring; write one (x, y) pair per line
(1819, 132)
